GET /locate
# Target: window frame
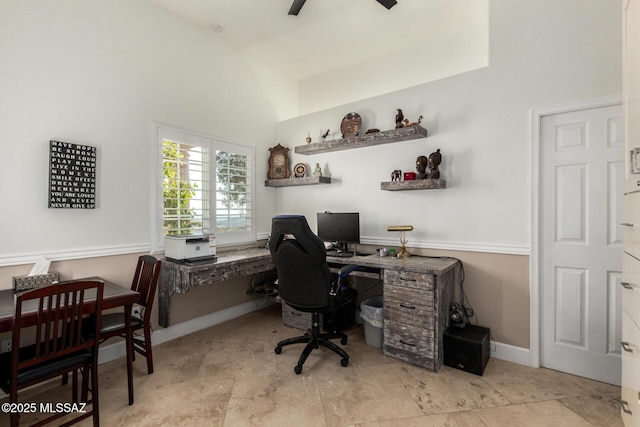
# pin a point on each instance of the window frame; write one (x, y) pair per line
(227, 238)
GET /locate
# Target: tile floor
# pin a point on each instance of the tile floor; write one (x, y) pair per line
(229, 375)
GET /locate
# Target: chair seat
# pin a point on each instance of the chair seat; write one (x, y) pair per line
(44, 370)
(346, 296)
(113, 322)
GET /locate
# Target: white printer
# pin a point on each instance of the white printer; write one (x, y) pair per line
(190, 247)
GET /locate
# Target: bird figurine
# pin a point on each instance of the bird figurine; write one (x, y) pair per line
(399, 119)
(415, 123)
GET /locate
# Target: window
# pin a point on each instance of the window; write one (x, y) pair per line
(204, 186)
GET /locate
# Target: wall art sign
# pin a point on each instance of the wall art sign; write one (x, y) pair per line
(72, 175)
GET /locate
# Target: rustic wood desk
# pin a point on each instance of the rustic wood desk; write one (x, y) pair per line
(179, 277)
(417, 294)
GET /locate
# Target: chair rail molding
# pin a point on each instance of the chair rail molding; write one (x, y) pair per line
(450, 246)
(71, 254)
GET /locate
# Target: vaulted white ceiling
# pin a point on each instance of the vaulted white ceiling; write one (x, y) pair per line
(327, 34)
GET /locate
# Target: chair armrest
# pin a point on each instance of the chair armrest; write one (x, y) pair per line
(344, 272)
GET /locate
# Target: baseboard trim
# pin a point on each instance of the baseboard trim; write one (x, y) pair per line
(510, 353)
(116, 350)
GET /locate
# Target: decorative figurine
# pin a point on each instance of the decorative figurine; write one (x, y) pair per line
(351, 124)
(324, 135)
(421, 167)
(395, 175)
(300, 170)
(414, 123)
(318, 170)
(434, 161)
(308, 138)
(399, 119)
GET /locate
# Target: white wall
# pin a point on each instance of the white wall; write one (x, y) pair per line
(542, 53)
(415, 61)
(98, 73)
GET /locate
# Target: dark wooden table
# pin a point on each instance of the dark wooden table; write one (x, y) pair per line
(114, 296)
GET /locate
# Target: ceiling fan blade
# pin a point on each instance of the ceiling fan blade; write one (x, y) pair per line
(387, 3)
(296, 6)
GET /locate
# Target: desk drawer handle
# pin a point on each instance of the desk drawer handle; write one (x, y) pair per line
(407, 306)
(628, 224)
(625, 346)
(407, 343)
(405, 279)
(296, 314)
(625, 407)
(626, 285)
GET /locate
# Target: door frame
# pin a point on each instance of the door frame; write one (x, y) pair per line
(535, 318)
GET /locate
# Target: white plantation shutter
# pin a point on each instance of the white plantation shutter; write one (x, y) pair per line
(204, 186)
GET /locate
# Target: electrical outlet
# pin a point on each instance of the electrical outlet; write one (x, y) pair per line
(5, 346)
(135, 311)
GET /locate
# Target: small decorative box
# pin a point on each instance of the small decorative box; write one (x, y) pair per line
(409, 176)
(23, 283)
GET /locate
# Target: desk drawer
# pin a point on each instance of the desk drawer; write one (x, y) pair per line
(403, 310)
(296, 319)
(205, 277)
(409, 279)
(409, 343)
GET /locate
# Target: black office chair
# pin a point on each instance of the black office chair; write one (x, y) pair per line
(305, 283)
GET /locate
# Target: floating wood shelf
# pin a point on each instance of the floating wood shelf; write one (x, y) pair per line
(290, 182)
(418, 184)
(366, 140)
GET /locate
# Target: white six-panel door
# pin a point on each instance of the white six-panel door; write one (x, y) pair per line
(580, 251)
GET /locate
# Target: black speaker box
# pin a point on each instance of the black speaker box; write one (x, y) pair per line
(467, 348)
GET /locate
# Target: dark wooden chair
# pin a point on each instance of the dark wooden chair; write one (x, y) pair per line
(145, 282)
(58, 345)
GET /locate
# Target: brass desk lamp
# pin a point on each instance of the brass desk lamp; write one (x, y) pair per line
(403, 241)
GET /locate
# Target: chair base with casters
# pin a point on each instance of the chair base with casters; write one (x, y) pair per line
(306, 284)
(314, 339)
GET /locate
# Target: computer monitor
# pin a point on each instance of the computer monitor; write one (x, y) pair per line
(340, 228)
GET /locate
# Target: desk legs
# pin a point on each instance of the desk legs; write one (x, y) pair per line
(129, 345)
(164, 304)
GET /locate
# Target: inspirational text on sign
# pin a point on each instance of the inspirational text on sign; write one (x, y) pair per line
(72, 175)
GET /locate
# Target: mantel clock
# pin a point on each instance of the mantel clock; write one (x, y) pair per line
(278, 162)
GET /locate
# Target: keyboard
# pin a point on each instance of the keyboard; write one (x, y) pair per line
(340, 254)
